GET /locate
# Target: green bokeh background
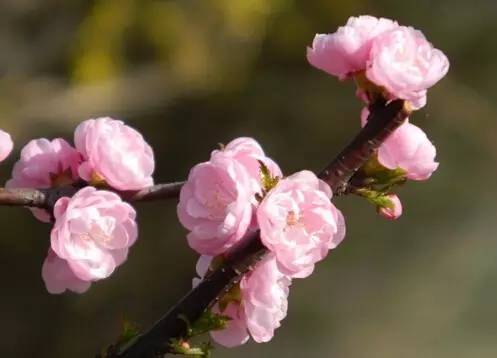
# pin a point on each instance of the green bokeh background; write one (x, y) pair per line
(192, 73)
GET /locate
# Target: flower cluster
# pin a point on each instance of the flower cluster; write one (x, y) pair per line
(396, 58)
(93, 229)
(240, 190)
(388, 61)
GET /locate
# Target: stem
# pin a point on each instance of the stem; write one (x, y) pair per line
(382, 121)
(46, 198)
(157, 339)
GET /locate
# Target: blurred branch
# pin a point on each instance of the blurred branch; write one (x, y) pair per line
(383, 120)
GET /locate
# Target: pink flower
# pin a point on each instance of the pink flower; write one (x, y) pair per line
(45, 164)
(92, 232)
(114, 152)
(347, 50)
(265, 299)
(394, 211)
(299, 224)
(215, 205)
(410, 149)
(406, 64)
(263, 304)
(235, 334)
(59, 277)
(248, 152)
(6, 145)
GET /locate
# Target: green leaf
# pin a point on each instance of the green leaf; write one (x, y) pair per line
(129, 332)
(233, 295)
(376, 177)
(268, 181)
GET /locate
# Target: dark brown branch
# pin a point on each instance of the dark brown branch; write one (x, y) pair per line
(156, 340)
(382, 122)
(156, 192)
(46, 198)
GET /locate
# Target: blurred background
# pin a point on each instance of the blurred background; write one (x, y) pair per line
(192, 73)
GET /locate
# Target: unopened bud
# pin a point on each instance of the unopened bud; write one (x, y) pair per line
(393, 209)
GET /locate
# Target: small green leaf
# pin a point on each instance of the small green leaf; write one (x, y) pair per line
(233, 295)
(209, 321)
(376, 177)
(129, 332)
(268, 181)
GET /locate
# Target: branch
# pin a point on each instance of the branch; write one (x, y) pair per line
(383, 120)
(46, 198)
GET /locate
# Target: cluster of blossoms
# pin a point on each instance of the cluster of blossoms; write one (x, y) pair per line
(93, 229)
(388, 62)
(238, 191)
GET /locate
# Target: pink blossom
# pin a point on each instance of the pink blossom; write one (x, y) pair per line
(299, 224)
(265, 299)
(45, 164)
(114, 152)
(92, 232)
(406, 64)
(263, 305)
(248, 152)
(409, 148)
(236, 333)
(59, 277)
(394, 210)
(347, 50)
(215, 205)
(6, 145)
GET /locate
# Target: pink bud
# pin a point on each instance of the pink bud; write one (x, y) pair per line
(406, 64)
(114, 152)
(299, 224)
(410, 149)
(6, 145)
(347, 50)
(216, 205)
(93, 231)
(393, 212)
(45, 164)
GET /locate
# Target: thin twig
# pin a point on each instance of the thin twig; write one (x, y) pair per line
(46, 198)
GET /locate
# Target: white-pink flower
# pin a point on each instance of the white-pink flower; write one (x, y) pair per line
(59, 277)
(299, 224)
(248, 152)
(45, 164)
(409, 148)
(114, 152)
(93, 231)
(265, 299)
(216, 205)
(6, 145)
(394, 210)
(347, 50)
(263, 304)
(406, 64)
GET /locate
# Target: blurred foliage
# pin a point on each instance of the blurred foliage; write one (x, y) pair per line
(192, 73)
